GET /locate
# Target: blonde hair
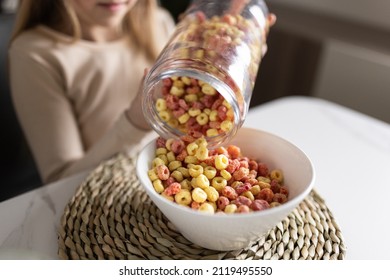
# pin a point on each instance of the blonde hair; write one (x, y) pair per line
(57, 14)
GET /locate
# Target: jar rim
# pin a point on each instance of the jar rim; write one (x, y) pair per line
(155, 77)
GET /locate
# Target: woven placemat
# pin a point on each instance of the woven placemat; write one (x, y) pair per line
(111, 217)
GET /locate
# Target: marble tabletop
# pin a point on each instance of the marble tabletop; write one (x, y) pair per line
(350, 152)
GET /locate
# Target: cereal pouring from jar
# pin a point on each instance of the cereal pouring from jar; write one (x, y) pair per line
(201, 84)
(194, 107)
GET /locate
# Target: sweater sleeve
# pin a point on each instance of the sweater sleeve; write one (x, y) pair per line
(50, 125)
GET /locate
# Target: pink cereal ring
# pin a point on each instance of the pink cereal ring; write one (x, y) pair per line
(160, 142)
(243, 188)
(284, 190)
(198, 105)
(179, 112)
(195, 133)
(162, 172)
(187, 138)
(253, 165)
(251, 181)
(259, 204)
(233, 165)
(242, 200)
(215, 124)
(222, 202)
(210, 161)
(222, 112)
(182, 155)
(193, 90)
(275, 187)
(194, 127)
(167, 82)
(165, 91)
(172, 102)
(183, 104)
(263, 169)
(207, 100)
(194, 82)
(240, 173)
(200, 16)
(204, 129)
(169, 181)
(177, 146)
(216, 104)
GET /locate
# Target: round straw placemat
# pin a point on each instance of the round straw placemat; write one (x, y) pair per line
(111, 217)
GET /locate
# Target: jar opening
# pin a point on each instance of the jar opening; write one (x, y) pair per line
(167, 123)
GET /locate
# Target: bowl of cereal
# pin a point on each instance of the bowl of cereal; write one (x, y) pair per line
(228, 197)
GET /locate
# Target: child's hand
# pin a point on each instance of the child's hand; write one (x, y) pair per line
(271, 22)
(134, 114)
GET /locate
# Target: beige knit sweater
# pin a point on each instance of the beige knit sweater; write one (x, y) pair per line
(71, 98)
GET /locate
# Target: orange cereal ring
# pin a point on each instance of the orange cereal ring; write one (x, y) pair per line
(280, 198)
(266, 194)
(172, 189)
(229, 192)
(234, 151)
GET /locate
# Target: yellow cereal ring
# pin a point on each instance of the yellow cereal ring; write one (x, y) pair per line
(202, 153)
(225, 174)
(212, 194)
(202, 181)
(173, 165)
(191, 159)
(158, 186)
(202, 118)
(231, 208)
(184, 171)
(221, 162)
(212, 132)
(210, 172)
(191, 149)
(157, 161)
(195, 170)
(206, 208)
(161, 105)
(183, 197)
(198, 195)
(184, 118)
(152, 175)
(218, 183)
(161, 151)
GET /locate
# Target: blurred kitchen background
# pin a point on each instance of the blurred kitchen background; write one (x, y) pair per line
(338, 50)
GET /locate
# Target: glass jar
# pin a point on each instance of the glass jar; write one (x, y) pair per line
(202, 82)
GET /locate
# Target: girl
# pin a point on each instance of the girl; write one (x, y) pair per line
(75, 68)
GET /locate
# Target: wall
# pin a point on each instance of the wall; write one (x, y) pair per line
(353, 68)
(371, 12)
(355, 77)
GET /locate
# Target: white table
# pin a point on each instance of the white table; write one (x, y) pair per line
(350, 151)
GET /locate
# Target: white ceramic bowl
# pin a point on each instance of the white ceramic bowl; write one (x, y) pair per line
(236, 231)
